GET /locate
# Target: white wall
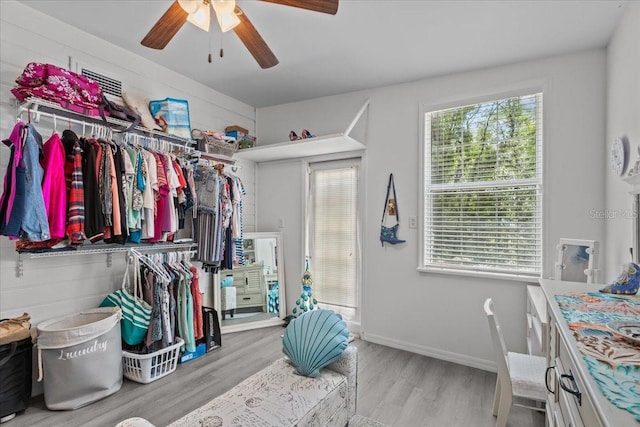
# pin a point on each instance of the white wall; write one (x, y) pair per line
(623, 119)
(58, 286)
(433, 314)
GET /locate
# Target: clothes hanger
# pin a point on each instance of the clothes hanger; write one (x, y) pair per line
(160, 273)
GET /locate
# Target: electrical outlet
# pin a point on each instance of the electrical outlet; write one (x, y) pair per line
(281, 223)
(413, 222)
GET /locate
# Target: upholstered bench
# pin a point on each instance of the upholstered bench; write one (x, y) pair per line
(277, 396)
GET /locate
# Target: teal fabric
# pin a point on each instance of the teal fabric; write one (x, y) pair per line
(617, 383)
(314, 340)
(226, 282)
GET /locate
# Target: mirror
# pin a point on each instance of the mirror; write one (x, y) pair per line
(252, 294)
(577, 261)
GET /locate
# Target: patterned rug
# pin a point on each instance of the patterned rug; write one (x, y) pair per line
(614, 362)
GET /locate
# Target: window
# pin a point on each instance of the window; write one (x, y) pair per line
(483, 187)
(333, 235)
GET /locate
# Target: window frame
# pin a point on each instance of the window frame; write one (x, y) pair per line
(425, 163)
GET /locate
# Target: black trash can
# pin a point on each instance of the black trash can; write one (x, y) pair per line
(15, 377)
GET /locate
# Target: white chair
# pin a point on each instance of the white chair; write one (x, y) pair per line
(519, 375)
(228, 300)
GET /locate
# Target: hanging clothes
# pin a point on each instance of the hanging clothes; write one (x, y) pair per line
(54, 189)
(94, 219)
(34, 223)
(85, 188)
(219, 218)
(12, 203)
(149, 195)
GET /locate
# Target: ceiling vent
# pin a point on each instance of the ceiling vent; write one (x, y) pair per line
(110, 86)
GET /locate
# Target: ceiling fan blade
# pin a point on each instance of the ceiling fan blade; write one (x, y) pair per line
(166, 27)
(254, 41)
(324, 6)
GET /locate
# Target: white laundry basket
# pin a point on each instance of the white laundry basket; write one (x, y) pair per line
(80, 357)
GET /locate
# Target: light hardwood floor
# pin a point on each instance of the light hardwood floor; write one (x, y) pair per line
(395, 387)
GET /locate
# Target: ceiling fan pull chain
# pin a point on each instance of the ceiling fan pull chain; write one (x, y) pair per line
(222, 45)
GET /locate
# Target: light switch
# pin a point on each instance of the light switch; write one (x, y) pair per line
(281, 223)
(413, 222)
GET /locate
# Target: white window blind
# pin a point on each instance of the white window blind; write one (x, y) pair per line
(483, 187)
(333, 232)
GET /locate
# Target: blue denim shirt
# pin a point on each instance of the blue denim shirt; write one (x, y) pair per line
(34, 223)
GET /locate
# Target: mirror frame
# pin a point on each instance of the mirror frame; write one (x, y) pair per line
(635, 211)
(591, 272)
(274, 321)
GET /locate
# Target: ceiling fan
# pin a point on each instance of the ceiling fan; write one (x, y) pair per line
(229, 17)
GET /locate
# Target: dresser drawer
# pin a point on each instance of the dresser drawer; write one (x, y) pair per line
(567, 409)
(580, 408)
(251, 300)
(554, 414)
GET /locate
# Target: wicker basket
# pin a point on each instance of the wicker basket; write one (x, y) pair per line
(210, 145)
(144, 368)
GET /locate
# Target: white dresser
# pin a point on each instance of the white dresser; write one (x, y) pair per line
(587, 406)
(250, 286)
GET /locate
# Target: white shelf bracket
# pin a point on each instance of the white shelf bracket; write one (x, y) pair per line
(356, 119)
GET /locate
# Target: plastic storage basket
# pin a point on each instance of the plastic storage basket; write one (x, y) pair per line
(144, 368)
(210, 145)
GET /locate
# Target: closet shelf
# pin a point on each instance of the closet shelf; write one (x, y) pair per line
(103, 248)
(316, 146)
(37, 105)
(329, 144)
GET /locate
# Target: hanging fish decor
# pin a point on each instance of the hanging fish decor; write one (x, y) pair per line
(306, 302)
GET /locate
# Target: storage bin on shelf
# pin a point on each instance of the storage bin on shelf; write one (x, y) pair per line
(210, 145)
(172, 115)
(145, 368)
(241, 135)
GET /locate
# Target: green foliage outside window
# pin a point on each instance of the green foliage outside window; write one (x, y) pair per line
(484, 186)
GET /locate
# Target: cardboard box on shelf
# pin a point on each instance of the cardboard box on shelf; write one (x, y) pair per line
(236, 128)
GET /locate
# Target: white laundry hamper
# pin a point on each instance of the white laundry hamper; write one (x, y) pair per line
(80, 357)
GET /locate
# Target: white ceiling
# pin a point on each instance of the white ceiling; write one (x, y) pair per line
(368, 43)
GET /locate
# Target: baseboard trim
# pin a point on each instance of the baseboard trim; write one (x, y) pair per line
(460, 359)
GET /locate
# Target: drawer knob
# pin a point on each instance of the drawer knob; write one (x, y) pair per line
(570, 388)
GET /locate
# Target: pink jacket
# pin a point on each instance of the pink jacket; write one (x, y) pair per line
(54, 187)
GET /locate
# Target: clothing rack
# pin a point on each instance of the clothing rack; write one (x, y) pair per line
(160, 272)
(101, 248)
(208, 159)
(35, 108)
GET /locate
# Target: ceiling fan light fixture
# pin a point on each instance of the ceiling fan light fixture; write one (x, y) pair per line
(190, 6)
(201, 18)
(225, 14)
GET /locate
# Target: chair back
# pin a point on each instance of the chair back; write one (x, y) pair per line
(499, 347)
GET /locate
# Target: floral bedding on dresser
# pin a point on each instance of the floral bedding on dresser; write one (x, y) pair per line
(614, 361)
